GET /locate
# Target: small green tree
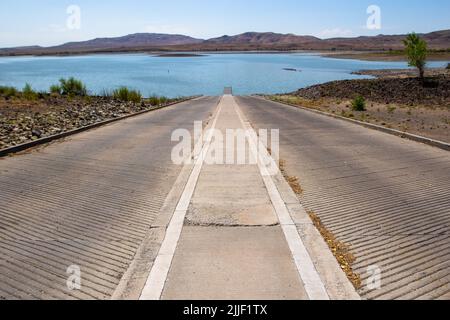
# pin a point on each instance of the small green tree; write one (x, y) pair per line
(416, 51)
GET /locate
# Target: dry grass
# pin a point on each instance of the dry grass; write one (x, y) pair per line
(340, 250)
(296, 100)
(293, 181)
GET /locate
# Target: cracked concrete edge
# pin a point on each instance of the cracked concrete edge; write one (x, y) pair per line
(134, 279)
(413, 137)
(336, 283)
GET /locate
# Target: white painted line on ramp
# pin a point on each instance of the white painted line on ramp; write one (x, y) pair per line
(156, 281)
(314, 285)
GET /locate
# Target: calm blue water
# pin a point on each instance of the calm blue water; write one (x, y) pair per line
(208, 75)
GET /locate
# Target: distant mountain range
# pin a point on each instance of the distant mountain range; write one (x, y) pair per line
(145, 42)
(262, 38)
(131, 41)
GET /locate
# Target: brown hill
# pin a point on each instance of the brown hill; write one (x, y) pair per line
(131, 41)
(265, 38)
(439, 40)
(436, 40)
(145, 42)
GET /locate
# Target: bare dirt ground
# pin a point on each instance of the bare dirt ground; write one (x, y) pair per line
(395, 100)
(403, 73)
(382, 56)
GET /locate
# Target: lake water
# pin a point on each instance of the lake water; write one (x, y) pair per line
(175, 76)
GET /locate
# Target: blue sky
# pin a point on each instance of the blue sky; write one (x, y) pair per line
(43, 22)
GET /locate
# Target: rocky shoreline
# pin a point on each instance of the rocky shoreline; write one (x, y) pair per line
(407, 90)
(23, 121)
(396, 99)
(403, 73)
(381, 55)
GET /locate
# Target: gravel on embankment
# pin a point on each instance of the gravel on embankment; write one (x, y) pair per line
(23, 121)
(397, 99)
(407, 91)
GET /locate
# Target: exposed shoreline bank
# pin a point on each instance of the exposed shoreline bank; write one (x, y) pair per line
(353, 55)
(382, 56)
(403, 73)
(23, 120)
(395, 99)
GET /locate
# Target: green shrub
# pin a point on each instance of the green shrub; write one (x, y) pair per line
(153, 100)
(8, 92)
(28, 92)
(359, 104)
(55, 89)
(156, 101)
(72, 87)
(125, 94)
(134, 96)
(163, 100)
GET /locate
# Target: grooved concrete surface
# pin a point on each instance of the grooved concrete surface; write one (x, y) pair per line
(387, 197)
(88, 201)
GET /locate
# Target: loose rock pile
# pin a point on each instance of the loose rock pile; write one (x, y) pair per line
(20, 122)
(407, 91)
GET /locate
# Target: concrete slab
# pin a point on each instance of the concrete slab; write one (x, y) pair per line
(233, 263)
(231, 196)
(386, 197)
(239, 239)
(232, 246)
